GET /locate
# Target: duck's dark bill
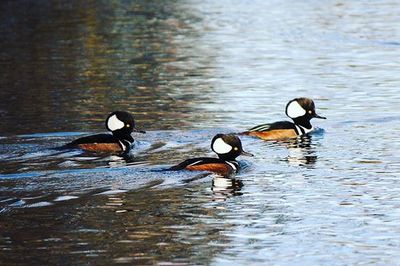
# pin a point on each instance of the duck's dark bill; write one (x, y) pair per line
(245, 153)
(320, 117)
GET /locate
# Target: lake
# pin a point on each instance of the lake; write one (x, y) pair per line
(188, 70)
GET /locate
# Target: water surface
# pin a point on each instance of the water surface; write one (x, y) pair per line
(188, 70)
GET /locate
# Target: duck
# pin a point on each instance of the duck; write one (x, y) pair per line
(300, 110)
(121, 124)
(227, 147)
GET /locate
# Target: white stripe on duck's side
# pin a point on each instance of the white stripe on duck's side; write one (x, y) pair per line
(196, 162)
(260, 128)
(233, 165)
(123, 147)
(125, 144)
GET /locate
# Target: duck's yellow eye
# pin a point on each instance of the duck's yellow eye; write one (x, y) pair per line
(127, 125)
(236, 148)
(310, 112)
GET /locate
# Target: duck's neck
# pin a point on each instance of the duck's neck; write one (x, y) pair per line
(303, 125)
(227, 157)
(125, 140)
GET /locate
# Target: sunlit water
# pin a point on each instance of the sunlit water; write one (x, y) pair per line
(188, 70)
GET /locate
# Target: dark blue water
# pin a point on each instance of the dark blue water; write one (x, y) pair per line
(188, 70)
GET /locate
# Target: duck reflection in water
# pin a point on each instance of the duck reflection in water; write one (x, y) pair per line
(301, 151)
(225, 187)
(222, 187)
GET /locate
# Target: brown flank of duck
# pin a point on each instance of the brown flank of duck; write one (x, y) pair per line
(101, 147)
(219, 168)
(273, 134)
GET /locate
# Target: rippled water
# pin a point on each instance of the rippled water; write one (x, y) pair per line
(188, 70)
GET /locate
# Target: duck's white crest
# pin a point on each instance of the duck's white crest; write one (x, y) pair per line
(220, 147)
(114, 123)
(295, 110)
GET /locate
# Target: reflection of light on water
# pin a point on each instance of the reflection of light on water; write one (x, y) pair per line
(64, 198)
(301, 151)
(224, 187)
(297, 156)
(199, 65)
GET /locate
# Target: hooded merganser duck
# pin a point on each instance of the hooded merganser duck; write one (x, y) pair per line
(121, 124)
(227, 147)
(300, 110)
